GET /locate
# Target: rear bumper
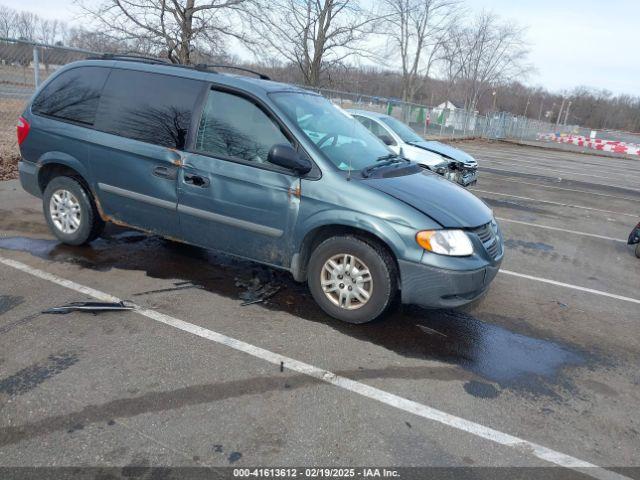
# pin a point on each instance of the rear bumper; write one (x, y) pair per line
(29, 177)
(433, 287)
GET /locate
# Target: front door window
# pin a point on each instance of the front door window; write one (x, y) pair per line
(234, 128)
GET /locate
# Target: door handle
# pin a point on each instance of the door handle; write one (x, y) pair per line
(196, 180)
(165, 172)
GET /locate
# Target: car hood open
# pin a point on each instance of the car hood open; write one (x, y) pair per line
(447, 203)
(446, 150)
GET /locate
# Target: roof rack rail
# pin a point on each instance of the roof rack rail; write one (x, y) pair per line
(204, 66)
(158, 61)
(129, 58)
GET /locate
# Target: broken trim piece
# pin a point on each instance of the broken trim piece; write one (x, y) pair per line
(93, 307)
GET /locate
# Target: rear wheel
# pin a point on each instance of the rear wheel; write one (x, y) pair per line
(638, 250)
(70, 211)
(352, 280)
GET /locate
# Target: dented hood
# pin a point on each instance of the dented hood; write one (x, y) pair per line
(447, 203)
(446, 150)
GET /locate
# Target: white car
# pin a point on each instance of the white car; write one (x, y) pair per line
(450, 162)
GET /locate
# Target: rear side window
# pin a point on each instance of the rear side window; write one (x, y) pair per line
(232, 126)
(149, 107)
(73, 95)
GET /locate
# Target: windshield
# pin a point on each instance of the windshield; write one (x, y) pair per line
(405, 132)
(341, 138)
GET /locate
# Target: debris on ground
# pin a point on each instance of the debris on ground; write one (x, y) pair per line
(430, 331)
(257, 290)
(178, 286)
(92, 307)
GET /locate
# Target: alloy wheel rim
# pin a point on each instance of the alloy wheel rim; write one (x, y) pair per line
(65, 212)
(346, 281)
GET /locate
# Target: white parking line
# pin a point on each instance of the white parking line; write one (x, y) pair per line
(513, 180)
(555, 203)
(547, 227)
(568, 285)
(547, 169)
(557, 161)
(387, 398)
(579, 170)
(563, 172)
(539, 174)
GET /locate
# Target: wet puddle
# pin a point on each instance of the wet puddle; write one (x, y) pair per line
(487, 351)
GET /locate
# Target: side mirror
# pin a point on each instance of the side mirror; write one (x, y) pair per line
(286, 156)
(386, 139)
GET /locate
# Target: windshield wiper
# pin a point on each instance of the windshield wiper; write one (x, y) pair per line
(386, 157)
(383, 161)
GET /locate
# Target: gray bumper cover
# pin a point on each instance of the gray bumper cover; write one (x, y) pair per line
(439, 288)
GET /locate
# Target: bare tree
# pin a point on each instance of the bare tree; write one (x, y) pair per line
(313, 35)
(483, 55)
(49, 31)
(416, 30)
(98, 41)
(174, 28)
(26, 25)
(8, 22)
(29, 26)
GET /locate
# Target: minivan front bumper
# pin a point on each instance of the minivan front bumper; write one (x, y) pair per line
(433, 287)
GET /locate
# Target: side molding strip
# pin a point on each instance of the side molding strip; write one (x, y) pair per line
(158, 202)
(234, 222)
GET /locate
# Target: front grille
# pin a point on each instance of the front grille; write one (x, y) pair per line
(485, 233)
(493, 249)
(488, 235)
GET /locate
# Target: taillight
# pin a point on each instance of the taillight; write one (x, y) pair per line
(22, 129)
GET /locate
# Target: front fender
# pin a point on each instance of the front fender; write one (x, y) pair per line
(398, 237)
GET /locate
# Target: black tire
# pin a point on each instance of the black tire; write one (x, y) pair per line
(383, 273)
(638, 250)
(91, 225)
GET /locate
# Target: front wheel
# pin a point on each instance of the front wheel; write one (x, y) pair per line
(638, 250)
(352, 280)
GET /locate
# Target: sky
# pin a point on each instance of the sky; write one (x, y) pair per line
(591, 43)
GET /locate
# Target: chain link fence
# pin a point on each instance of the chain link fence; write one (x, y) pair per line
(25, 65)
(448, 122)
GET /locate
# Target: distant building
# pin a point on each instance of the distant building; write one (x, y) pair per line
(454, 116)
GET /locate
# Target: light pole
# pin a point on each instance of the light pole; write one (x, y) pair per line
(560, 111)
(526, 107)
(566, 113)
(494, 100)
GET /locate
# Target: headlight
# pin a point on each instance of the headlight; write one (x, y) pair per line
(455, 243)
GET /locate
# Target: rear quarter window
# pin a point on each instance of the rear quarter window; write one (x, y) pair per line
(74, 95)
(149, 107)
